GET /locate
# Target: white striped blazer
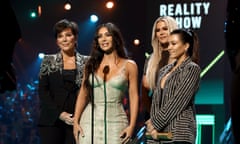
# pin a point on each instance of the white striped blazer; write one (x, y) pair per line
(173, 108)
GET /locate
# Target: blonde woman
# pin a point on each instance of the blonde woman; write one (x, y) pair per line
(159, 57)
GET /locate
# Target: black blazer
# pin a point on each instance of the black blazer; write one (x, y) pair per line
(51, 90)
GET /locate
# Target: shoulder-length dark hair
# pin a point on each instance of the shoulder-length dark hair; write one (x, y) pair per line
(96, 53)
(63, 24)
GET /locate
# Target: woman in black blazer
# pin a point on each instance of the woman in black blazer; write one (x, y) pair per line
(60, 78)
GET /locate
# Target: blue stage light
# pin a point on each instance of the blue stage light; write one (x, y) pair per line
(94, 18)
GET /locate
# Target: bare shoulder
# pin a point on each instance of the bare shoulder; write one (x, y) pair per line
(130, 62)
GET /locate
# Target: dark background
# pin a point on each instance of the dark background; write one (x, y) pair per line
(135, 19)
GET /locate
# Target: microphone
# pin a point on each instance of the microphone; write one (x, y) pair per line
(105, 71)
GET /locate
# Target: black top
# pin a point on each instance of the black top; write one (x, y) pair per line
(71, 87)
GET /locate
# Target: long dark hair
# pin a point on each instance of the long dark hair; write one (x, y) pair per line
(96, 54)
(189, 36)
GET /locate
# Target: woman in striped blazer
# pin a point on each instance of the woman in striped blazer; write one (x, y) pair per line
(173, 108)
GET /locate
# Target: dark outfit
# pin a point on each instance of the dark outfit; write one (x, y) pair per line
(233, 51)
(7, 71)
(173, 108)
(147, 97)
(58, 89)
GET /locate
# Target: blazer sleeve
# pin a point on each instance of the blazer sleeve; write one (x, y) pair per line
(181, 90)
(49, 111)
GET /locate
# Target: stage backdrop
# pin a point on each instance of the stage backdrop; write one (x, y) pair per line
(207, 18)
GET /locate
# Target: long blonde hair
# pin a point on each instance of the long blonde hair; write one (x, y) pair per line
(156, 56)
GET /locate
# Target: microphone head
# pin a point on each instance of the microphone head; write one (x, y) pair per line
(106, 69)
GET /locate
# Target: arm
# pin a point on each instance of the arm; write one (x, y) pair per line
(82, 100)
(145, 103)
(49, 110)
(133, 97)
(144, 79)
(182, 94)
(145, 98)
(133, 93)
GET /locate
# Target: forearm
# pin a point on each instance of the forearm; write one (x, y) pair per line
(134, 104)
(79, 108)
